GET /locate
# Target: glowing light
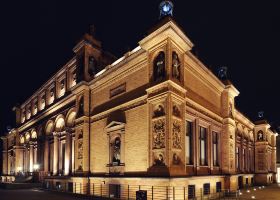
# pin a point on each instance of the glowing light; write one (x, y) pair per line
(248, 191)
(136, 49)
(99, 73)
(255, 189)
(19, 169)
(118, 61)
(36, 167)
(166, 8)
(253, 197)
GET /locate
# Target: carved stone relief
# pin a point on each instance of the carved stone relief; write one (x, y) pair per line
(158, 111)
(176, 160)
(80, 145)
(159, 159)
(176, 135)
(80, 149)
(176, 111)
(158, 134)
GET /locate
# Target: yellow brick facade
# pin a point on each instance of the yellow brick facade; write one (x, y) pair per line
(124, 122)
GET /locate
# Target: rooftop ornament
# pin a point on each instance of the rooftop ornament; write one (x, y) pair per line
(166, 9)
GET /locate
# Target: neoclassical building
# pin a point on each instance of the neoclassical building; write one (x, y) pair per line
(156, 116)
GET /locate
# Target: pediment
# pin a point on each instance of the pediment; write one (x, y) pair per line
(114, 125)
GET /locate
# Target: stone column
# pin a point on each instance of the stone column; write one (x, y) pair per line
(35, 155)
(46, 156)
(55, 156)
(68, 156)
(31, 157)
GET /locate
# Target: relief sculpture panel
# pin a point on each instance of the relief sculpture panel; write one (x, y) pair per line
(158, 134)
(176, 135)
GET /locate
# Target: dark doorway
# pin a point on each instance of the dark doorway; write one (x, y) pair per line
(115, 191)
(240, 182)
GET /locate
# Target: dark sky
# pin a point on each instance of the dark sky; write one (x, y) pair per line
(37, 38)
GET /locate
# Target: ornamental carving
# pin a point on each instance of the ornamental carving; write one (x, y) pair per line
(159, 134)
(176, 160)
(159, 159)
(176, 111)
(80, 149)
(159, 111)
(176, 135)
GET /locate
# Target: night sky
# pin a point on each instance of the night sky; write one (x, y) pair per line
(37, 39)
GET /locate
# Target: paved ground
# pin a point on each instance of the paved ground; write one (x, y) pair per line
(267, 193)
(33, 194)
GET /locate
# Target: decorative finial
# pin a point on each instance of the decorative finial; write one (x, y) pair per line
(261, 114)
(166, 8)
(222, 73)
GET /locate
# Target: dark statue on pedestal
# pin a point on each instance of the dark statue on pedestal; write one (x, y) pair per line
(176, 65)
(92, 66)
(159, 67)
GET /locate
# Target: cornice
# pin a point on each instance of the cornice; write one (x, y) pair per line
(58, 105)
(168, 30)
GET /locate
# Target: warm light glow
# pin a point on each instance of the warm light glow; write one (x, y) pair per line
(36, 167)
(136, 49)
(19, 169)
(33, 135)
(118, 61)
(99, 73)
(278, 175)
(21, 139)
(27, 137)
(253, 197)
(60, 124)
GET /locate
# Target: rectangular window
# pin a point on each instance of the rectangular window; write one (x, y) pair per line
(215, 148)
(203, 146)
(237, 158)
(191, 191)
(206, 188)
(189, 144)
(218, 186)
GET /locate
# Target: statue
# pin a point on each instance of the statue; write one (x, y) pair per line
(260, 136)
(116, 151)
(92, 66)
(159, 67)
(176, 65)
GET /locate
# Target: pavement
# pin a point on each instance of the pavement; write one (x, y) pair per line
(264, 193)
(35, 194)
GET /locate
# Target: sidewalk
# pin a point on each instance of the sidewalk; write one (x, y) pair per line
(267, 193)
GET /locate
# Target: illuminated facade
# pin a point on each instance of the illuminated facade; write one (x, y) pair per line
(157, 116)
